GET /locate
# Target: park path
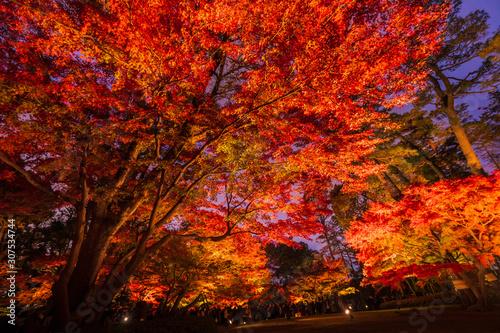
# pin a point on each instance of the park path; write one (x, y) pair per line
(388, 321)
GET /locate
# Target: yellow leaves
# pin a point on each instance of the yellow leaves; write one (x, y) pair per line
(347, 291)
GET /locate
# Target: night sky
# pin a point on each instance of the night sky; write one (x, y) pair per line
(492, 7)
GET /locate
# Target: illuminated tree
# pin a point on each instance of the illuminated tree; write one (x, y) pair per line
(138, 113)
(453, 224)
(320, 279)
(230, 272)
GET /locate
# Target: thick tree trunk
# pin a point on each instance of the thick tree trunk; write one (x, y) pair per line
(60, 288)
(471, 157)
(448, 100)
(92, 255)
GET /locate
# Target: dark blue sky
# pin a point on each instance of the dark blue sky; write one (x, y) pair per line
(492, 7)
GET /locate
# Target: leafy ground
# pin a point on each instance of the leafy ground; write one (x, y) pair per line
(423, 320)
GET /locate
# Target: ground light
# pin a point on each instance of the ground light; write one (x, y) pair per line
(347, 312)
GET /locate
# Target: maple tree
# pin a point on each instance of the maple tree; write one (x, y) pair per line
(142, 115)
(299, 273)
(422, 149)
(452, 224)
(33, 281)
(320, 279)
(232, 272)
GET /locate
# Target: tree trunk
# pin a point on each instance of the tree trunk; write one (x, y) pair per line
(402, 178)
(424, 156)
(389, 185)
(92, 255)
(471, 157)
(480, 293)
(482, 299)
(448, 100)
(174, 311)
(60, 288)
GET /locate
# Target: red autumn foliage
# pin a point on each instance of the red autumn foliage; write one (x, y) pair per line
(137, 113)
(453, 224)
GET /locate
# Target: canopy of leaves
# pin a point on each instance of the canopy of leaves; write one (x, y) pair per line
(231, 272)
(198, 120)
(453, 221)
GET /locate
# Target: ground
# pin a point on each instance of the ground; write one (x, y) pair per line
(422, 320)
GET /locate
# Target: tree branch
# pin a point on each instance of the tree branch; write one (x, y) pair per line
(30, 178)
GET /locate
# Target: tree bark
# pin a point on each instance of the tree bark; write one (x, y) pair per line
(424, 156)
(482, 300)
(471, 157)
(92, 255)
(447, 97)
(402, 178)
(60, 287)
(389, 185)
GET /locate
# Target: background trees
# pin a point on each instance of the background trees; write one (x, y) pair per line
(300, 273)
(463, 44)
(184, 275)
(435, 142)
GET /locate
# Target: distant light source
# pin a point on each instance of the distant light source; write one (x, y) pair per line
(347, 312)
(125, 319)
(230, 321)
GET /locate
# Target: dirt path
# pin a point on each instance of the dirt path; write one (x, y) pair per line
(390, 321)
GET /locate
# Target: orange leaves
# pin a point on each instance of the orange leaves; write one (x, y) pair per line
(33, 286)
(225, 272)
(393, 277)
(301, 75)
(275, 99)
(459, 218)
(319, 280)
